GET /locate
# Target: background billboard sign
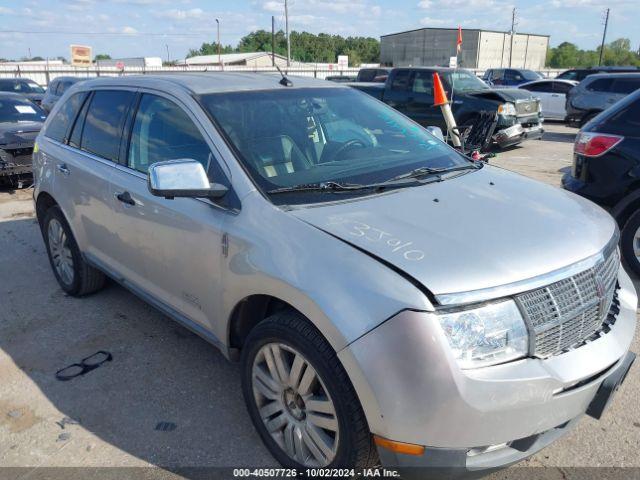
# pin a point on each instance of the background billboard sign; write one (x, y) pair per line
(80, 55)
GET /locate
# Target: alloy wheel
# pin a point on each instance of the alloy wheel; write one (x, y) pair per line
(60, 252)
(294, 405)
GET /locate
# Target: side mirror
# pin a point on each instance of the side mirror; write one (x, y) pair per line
(182, 178)
(436, 132)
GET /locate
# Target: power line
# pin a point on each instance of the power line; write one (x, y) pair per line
(123, 34)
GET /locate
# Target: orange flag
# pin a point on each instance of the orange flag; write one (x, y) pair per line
(459, 42)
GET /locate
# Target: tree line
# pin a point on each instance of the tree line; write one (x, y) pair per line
(568, 55)
(305, 47)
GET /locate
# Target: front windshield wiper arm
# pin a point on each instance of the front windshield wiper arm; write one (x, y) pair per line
(422, 171)
(321, 187)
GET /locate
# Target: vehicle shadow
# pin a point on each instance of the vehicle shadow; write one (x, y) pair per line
(160, 372)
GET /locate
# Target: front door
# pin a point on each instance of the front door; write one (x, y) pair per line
(171, 249)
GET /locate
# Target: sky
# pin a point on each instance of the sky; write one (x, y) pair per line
(136, 28)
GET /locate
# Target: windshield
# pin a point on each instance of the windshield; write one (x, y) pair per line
(21, 87)
(17, 110)
(464, 81)
(530, 75)
(294, 137)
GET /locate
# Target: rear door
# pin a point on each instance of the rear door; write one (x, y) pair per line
(170, 249)
(560, 91)
(84, 167)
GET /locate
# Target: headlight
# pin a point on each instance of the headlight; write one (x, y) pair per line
(493, 333)
(507, 109)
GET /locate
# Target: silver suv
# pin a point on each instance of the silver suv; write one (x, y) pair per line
(388, 298)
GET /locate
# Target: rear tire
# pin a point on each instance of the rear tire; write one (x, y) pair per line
(331, 432)
(74, 275)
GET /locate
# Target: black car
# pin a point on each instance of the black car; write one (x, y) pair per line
(376, 74)
(20, 122)
(56, 89)
(606, 169)
(579, 74)
(23, 86)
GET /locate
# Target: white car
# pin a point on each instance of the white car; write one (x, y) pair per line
(552, 94)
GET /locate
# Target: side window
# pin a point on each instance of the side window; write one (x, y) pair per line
(627, 121)
(600, 85)
(423, 83)
(626, 85)
(53, 87)
(104, 121)
(58, 126)
(539, 87)
(63, 87)
(163, 131)
(497, 75)
(513, 76)
(561, 87)
(401, 80)
(367, 75)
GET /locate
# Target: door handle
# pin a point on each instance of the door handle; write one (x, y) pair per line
(125, 197)
(62, 168)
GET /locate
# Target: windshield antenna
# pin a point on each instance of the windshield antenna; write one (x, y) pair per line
(284, 81)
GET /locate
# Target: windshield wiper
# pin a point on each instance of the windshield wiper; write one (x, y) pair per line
(422, 171)
(321, 187)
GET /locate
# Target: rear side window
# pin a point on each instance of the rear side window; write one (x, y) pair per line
(600, 85)
(104, 121)
(545, 87)
(58, 126)
(423, 83)
(163, 131)
(366, 75)
(625, 85)
(401, 80)
(561, 87)
(626, 121)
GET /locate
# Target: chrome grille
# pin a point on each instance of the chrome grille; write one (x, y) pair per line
(527, 107)
(565, 313)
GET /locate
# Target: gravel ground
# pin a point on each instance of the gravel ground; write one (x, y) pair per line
(160, 372)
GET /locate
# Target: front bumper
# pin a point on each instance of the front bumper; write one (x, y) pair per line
(516, 134)
(412, 391)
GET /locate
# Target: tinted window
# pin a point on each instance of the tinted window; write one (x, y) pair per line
(423, 82)
(58, 126)
(626, 121)
(546, 87)
(366, 75)
(625, 85)
(568, 75)
(513, 75)
(497, 75)
(560, 87)
(103, 124)
(600, 85)
(401, 80)
(163, 131)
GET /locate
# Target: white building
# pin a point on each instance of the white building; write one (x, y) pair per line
(249, 59)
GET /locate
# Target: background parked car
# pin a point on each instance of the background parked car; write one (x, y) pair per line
(509, 77)
(373, 74)
(552, 94)
(597, 93)
(606, 169)
(579, 74)
(56, 89)
(20, 122)
(24, 86)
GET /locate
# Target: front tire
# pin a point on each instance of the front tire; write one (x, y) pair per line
(73, 274)
(300, 398)
(630, 242)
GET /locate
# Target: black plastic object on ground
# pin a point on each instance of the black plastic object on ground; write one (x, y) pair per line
(85, 366)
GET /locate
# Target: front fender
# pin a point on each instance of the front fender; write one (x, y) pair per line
(345, 293)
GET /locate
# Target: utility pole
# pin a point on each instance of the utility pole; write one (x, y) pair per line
(286, 27)
(604, 35)
(167, 47)
(219, 61)
(513, 34)
(273, 41)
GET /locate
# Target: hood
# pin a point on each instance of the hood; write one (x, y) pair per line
(503, 94)
(19, 135)
(480, 230)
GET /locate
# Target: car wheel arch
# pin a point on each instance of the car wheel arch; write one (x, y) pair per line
(43, 203)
